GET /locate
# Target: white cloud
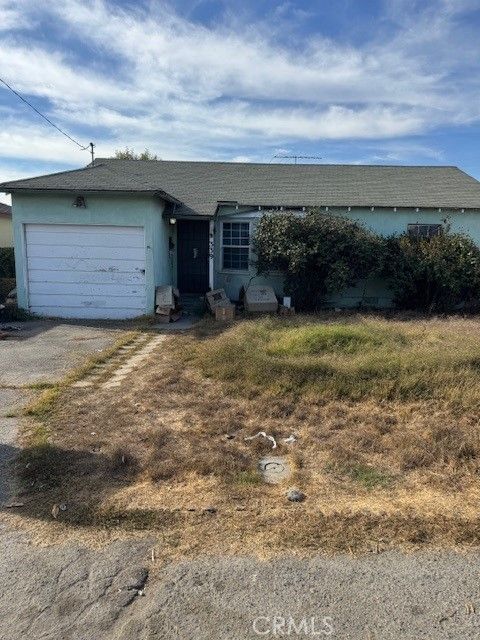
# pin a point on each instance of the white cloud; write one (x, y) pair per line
(185, 90)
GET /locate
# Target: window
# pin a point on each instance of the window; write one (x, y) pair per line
(424, 230)
(236, 245)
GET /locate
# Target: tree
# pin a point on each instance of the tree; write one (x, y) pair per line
(129, 154)
(319, 254)
(433, 274)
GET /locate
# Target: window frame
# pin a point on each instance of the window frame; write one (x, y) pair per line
(416, 225)
(235, 246)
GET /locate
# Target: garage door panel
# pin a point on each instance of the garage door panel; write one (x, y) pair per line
(86, 271)
(92, 239)
(87, 288)
(87, 301)
(67, 251)
(76, 312)
(84, 277)
(95, 265)
(77, 229)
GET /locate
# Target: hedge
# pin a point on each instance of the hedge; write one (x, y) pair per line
(7, 262)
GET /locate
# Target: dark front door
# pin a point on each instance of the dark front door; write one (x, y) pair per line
(192, 255)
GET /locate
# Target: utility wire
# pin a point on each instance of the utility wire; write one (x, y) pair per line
(42, 116)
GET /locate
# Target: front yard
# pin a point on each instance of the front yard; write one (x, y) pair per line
(385, 415)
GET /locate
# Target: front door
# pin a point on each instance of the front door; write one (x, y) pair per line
(192, 255)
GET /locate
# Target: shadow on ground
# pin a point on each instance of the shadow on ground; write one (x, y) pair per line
(42, 489)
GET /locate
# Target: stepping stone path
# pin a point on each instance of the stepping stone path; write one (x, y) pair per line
(120, 365)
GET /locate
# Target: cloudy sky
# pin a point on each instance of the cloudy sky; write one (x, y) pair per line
(354, 81)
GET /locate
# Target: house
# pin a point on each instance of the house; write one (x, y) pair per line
(6, 236)
(94, 242)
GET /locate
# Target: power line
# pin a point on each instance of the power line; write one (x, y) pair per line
(45, 117)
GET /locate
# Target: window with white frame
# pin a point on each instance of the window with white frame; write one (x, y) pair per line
(418, 230)
(235, 245)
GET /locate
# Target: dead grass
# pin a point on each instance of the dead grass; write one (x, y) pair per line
(379, 469)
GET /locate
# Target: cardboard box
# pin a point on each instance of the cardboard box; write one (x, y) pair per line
(260, 299)
(217, 298)
(166, 303)
(165, 296)
(224, 313)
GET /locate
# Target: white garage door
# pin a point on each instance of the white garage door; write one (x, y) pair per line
(86, 271)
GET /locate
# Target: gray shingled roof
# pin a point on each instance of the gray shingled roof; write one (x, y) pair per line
(199, 186)
(5, 210)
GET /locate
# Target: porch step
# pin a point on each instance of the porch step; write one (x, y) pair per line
(192, 304)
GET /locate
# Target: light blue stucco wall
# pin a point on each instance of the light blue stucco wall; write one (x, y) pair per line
(384, 221)
(232, 280)
(117, 210)
(161, 267)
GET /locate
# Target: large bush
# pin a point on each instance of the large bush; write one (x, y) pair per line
(7, 263)
(433, 274)
(319, 254)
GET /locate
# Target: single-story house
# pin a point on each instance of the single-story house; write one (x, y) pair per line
(6, 235)
(94, 242)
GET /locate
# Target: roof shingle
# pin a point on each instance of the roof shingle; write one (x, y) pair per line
(199, 186)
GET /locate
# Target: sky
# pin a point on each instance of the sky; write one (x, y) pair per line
(346, 81)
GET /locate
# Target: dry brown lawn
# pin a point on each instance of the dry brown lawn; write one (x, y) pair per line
(166, 452)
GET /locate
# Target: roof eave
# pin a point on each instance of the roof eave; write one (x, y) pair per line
(266, 207)
(46, 190)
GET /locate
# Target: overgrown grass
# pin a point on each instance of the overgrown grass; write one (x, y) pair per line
(346, 360)
(400, 468)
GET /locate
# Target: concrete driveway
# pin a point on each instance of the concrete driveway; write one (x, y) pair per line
(44, 351)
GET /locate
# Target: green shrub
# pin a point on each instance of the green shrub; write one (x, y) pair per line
(319, 254)
(433, 274)
(7, 262)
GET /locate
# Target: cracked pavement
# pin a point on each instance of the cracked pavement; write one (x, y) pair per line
(69, 592)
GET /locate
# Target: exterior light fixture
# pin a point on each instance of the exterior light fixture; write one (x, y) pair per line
(173, 220)
(79, 202)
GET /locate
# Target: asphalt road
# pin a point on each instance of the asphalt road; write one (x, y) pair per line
(72, 593)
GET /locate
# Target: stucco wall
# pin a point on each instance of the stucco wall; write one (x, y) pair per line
(6, 235)
(147, 211)
(382, 221)
(232, 280)
(120, 210)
